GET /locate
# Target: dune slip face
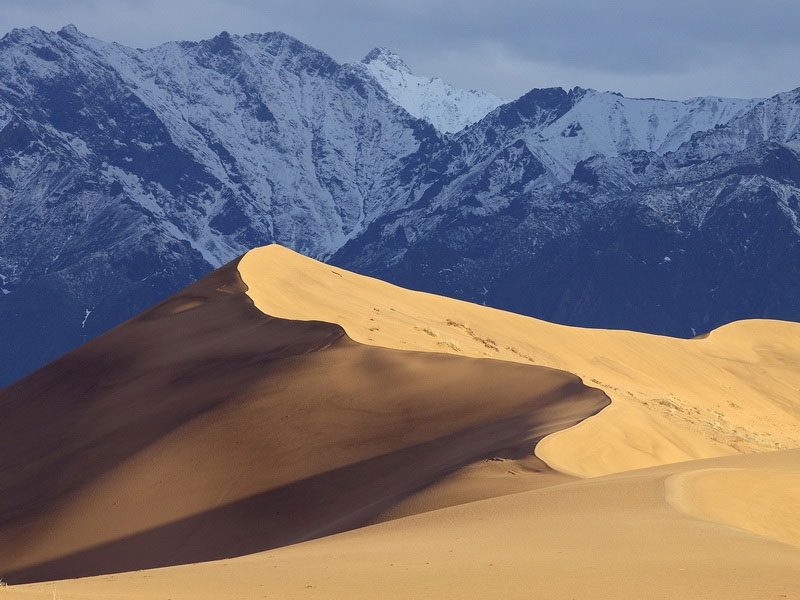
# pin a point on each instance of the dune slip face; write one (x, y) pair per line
(735, 390)
(205, 429)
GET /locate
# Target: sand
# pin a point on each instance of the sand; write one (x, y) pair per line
(763, 501)
(240, 434)
(205, 429)
(604, 538)
(735, 390)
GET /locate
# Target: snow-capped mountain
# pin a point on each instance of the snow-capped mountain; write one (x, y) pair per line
(592, 122)
(446, 107)
(125, 174)
(775, 119)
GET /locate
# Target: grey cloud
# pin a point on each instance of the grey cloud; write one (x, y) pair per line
(671, 49)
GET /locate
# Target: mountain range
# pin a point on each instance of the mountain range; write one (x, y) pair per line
(126, 174)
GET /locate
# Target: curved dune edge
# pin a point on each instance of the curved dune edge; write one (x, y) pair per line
(605, 538)
(733, 391)
(765, 502)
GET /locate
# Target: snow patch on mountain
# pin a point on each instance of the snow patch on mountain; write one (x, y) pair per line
(776, 119)
(448, 108)
(585, 123)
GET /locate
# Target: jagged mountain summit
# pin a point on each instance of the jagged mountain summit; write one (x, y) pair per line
(126, 174)
(446, 107)
(588, 122)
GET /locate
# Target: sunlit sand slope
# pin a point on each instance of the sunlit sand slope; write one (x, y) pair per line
(735, 390)
(765, 501)
(605, 538)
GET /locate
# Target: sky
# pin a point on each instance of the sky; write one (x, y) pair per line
(645, 48)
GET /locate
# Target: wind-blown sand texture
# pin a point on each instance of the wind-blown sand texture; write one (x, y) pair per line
(734, 390)
(280, 400)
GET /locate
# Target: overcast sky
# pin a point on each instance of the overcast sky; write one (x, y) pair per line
(660, 48)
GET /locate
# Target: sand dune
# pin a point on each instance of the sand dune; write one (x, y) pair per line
(604, 538)
(205, 429)
(280, 400)
(735, 390)
(765, 501)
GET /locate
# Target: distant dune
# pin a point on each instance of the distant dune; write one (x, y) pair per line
(261, 416)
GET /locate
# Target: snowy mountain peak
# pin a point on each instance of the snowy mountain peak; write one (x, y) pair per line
(446, 107)
(776, 119)
(70, 31)
(22, 34)
(388, 58)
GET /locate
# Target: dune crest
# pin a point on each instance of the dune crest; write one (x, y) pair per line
(732, 391)
(232, 441)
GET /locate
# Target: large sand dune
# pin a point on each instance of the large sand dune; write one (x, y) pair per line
(205, 429)
(734, 390)
(281, 400)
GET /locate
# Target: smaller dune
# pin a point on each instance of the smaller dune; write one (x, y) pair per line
(766, 502)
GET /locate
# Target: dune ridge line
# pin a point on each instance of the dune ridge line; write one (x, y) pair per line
(732, 391)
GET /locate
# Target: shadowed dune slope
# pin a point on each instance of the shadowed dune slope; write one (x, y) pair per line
(603, 538)
(735, 390)
(205, 429)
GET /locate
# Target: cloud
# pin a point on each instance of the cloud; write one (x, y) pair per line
(672, 49)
